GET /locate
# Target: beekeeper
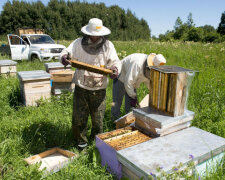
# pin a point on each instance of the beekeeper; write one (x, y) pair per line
(134, 72)
(90, 88)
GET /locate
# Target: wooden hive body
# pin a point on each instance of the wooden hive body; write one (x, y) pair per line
(62, 81)
(34, 85)
(168, 87)
(110, 142)
(7, 67)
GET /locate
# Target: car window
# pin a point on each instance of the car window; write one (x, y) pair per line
(41, 39)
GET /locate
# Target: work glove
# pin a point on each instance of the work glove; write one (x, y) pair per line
(133, 102)
(115, 72)
(65, 59)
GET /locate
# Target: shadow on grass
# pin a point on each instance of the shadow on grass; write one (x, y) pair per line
(39, 137)
(15, 98)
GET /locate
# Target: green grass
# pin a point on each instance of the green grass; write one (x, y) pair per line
(25, 131)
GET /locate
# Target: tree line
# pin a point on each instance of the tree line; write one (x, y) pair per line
(64, 19)
(188, 32)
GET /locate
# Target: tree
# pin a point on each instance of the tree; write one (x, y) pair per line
(221, 28)
(208, 28)
(63, 19)
(195, 34)
(181, 32)
(190, 21)
(178, 23)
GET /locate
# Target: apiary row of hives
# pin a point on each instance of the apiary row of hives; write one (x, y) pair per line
(36, 85)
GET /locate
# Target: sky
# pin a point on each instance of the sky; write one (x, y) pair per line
(162, 14)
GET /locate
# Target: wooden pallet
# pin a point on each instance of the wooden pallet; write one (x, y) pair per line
(89, 67)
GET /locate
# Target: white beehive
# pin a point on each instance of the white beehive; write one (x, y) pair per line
(7, 67)
(34, 85)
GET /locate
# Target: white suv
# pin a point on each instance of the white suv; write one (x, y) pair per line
(33, 46)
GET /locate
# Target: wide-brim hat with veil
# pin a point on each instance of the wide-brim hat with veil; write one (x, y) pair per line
(95, 28)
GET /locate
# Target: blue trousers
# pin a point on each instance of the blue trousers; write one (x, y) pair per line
(118, 93)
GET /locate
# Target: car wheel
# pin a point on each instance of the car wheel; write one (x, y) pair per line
(34, 57)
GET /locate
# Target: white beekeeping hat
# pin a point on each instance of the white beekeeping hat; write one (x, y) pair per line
(155, 60)
(95, 28)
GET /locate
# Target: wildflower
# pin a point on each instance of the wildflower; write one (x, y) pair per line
(199, 178)
(191, 156)
(175, 169)
(153, 175)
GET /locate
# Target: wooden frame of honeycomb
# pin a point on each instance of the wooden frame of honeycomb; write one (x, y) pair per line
(123, 138)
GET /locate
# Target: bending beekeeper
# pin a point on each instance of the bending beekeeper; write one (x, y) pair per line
(90, 88)
(134, 72)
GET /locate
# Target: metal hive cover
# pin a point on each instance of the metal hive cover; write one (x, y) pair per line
(160, 119)
(168, 151)
(55, 65)
(33, 75)
(7, 62)
(170, 69)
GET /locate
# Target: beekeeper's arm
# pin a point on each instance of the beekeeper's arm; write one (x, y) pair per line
(130, 79)
(113, 61)
(66, 54)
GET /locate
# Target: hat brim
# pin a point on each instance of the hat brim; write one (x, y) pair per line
(150, 59)
(103, 32)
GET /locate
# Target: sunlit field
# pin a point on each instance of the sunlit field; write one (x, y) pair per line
(25, 131)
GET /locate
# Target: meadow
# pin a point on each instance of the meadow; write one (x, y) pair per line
(25, 131)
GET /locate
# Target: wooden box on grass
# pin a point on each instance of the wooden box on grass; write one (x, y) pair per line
(110, 142)
(53, 160)
(167, 152)
(56, 66)
(34, 85)
(168, 87)
(7, 67)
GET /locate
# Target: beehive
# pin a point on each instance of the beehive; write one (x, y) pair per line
(62, 76)
(7, 67)
(21, 31)
(62, 81)
(109, 143)
(167, 152)
(34, 85)
(168, 87)
(55, 67)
